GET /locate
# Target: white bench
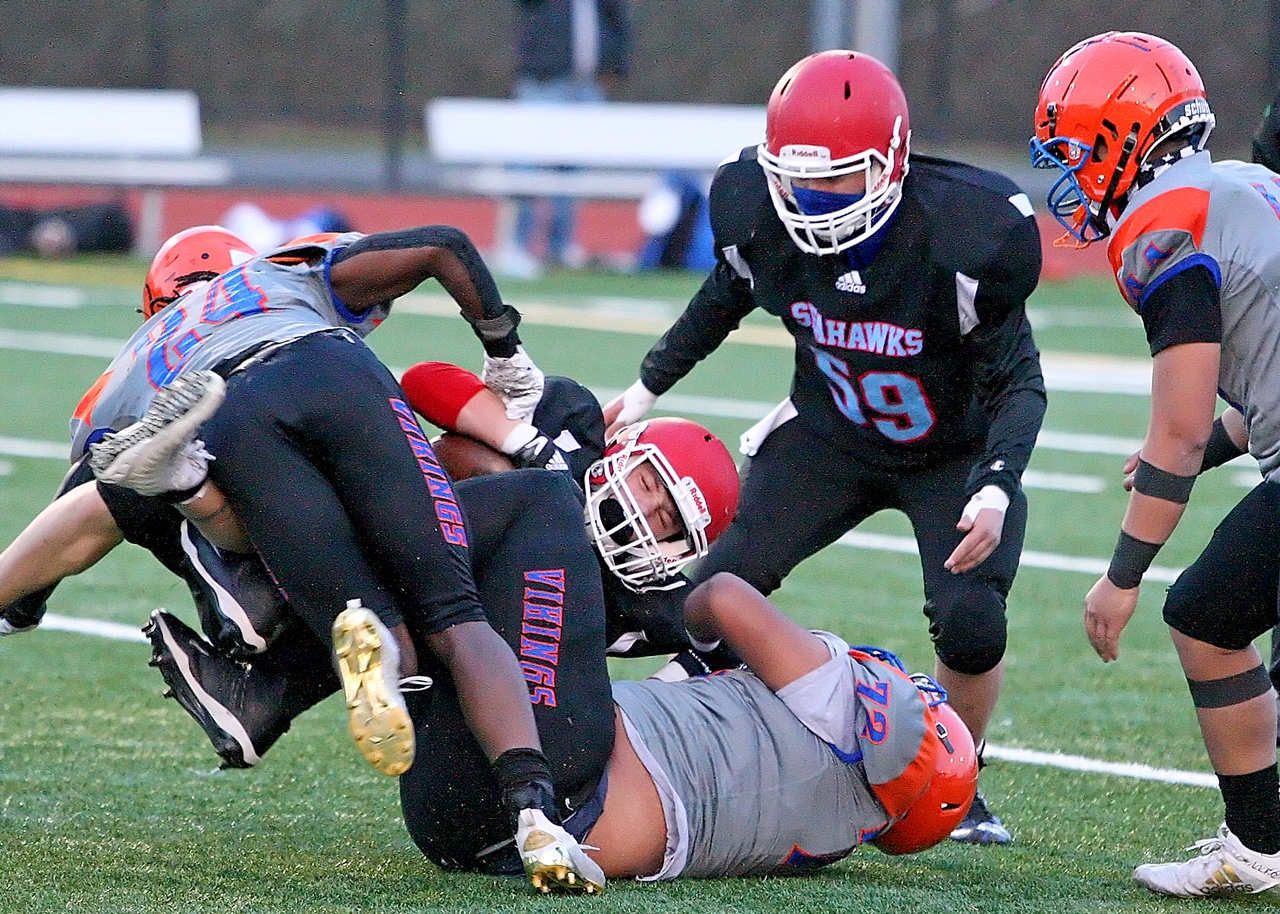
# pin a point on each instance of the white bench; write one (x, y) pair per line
(144, 138)
(505, 148)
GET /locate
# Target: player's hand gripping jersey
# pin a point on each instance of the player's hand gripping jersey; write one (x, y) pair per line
(886, 345)
(1197, 255)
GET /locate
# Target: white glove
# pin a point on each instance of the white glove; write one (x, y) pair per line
(516, 380)
(637, 400)
(992, 497)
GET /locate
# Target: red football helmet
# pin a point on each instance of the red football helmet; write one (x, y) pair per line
(832, 114)
(946, 800)
(696, 469)
(191, 255)
(1104, 106)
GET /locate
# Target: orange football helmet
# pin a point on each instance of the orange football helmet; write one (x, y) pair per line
(946, 800)
(191, 255)
(1104, 106)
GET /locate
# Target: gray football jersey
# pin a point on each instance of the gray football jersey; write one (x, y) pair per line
(746, 786)
(1225, 216)
(257, 303)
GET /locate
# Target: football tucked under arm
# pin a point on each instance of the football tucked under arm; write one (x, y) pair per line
(464, 457)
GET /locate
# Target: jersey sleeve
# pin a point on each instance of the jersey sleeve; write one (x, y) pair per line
(1010, 382)
(870, 713)
(1160, 237)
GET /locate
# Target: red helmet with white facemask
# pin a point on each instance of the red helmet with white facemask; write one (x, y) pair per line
(695, 468)
(836, 113)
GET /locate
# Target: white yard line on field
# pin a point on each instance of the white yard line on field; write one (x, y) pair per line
(117, 632)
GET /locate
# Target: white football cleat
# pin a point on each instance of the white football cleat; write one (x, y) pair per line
(553, 859)
(1223, 867)
(159, 453)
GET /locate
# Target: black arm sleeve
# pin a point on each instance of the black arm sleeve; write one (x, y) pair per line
(497, 327)
(716, 310)
(1185, 308)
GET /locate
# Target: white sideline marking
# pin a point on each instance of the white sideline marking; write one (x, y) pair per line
(60, 343)
(883, 542)
(1095, 766)
(34, 295)
(112, 631)
(117, 632)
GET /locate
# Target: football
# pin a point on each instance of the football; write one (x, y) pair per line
(464, 457)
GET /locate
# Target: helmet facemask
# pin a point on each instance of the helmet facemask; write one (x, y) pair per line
(1105, 109)
(830, 233)
(621, 532)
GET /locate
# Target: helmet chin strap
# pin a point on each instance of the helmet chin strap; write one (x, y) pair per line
(1099, 219)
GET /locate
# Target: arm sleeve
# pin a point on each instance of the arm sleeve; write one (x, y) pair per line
(716, 310)
(1010, 382)
(493, 321)
(1185, 307)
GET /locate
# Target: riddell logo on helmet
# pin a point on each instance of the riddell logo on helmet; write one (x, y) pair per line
(704, 512)
(817, 153)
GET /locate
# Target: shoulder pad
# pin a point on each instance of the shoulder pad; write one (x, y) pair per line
(975, 216)
(737, 194)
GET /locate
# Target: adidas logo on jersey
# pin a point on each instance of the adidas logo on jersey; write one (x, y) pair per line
(851, 282)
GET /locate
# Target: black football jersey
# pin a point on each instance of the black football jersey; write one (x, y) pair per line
(907, 360)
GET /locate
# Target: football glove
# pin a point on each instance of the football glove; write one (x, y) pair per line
(637, 400)
(516, 380)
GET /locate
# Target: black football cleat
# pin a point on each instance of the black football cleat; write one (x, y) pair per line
(240, 708)
(981, 826)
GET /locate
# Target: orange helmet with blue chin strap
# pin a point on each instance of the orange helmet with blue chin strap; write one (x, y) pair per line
(1105, 105)
(951, 789)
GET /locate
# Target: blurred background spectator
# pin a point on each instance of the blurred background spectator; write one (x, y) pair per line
(568, 51)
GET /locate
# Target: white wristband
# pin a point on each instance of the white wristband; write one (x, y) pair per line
(992, 497)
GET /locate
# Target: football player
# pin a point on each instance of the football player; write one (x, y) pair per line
(1195, 246)
(328, 469)
(917, 384)
(844, 747)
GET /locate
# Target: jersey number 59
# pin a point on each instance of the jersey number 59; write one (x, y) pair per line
(901, 411)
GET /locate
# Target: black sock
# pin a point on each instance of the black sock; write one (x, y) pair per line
(1253, 808)
(524, 778)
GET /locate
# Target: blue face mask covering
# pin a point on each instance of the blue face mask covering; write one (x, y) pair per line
(812, 202)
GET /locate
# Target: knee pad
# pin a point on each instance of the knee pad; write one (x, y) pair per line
(1185, 612)
(969, 629)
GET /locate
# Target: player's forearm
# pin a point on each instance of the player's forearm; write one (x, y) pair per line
(1013, 392)
(68, 537)
(715, 311)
